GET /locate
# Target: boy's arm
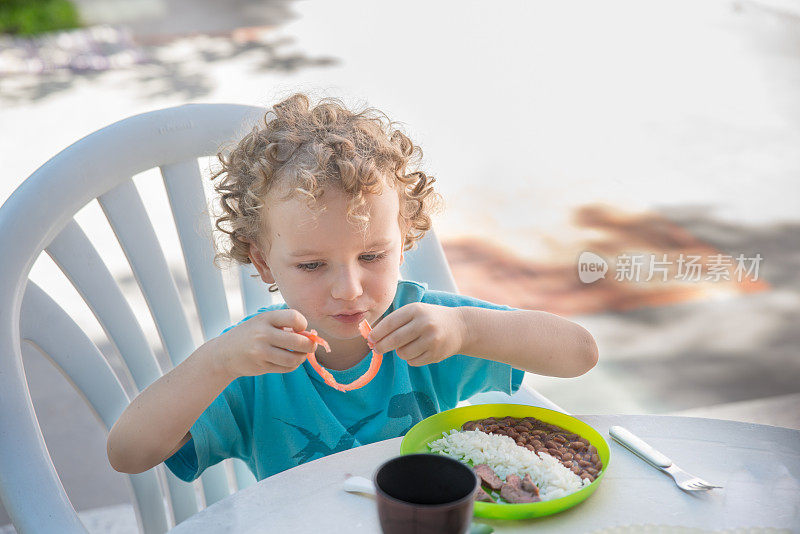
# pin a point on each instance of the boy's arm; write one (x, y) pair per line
(156, 424)
(534, 341)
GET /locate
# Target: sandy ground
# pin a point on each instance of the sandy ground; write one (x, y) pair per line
(552, 128)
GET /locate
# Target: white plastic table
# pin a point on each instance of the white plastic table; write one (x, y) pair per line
(758, 465)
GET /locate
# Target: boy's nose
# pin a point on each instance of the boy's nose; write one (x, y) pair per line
(347, 285)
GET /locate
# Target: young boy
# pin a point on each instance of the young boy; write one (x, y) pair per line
(321, 201)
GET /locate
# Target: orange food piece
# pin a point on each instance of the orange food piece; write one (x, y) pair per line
(363, 380)
(312, 335)
(365, 329)
(312, 359)
(374, 365)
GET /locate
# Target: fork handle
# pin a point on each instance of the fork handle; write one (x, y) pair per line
(639, 447)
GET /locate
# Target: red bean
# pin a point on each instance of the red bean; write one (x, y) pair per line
(555, 453)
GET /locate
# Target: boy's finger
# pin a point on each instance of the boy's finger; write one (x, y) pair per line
(289, 340)
(389, 324)
(399, 338)
(275, 368)
(418, 361)
(287, 358)
(289, 318)
(412, 350)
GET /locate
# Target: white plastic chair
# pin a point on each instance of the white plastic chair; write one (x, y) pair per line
(39, 216)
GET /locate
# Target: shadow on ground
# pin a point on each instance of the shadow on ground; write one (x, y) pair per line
(779, 244)
(486, 270)
(174, 67)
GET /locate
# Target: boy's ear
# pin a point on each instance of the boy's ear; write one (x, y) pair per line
(260, 263)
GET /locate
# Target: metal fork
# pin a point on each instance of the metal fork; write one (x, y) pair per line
(643, 450)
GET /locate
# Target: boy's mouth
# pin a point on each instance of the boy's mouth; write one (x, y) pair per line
(350, 317)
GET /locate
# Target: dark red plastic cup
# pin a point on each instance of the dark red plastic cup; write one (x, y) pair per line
(425, 494)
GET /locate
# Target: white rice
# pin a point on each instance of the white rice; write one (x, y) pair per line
(504, 456)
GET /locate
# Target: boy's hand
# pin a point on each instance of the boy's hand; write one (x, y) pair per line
(260, 345)
(421, 333)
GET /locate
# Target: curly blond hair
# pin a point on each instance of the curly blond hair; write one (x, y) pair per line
(303, 148)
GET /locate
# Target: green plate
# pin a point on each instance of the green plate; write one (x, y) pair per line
(430, 429)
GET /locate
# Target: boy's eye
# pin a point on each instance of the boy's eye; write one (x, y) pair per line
(314, 265)
(309, 266)
(373, 257)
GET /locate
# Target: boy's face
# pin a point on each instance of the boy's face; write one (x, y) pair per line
(325, 267)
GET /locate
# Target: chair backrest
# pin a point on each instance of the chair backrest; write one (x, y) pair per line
(40, 217)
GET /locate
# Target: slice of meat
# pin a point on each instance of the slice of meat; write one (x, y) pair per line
(488, 476)
(514, 481)
(529, 486)
(514, 490)
(481, 495)
(517, 495)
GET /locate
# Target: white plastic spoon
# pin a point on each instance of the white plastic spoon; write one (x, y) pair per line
(359, 485)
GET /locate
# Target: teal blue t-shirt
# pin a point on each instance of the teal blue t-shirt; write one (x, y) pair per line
(277, 421)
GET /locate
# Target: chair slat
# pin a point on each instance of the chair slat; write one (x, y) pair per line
(182, 182)
(28, 480)
(428, 263)
(188, 202)
(45, 324)
(75, 255)
(244, 477)
(215, 483)
(150, 501)
(182, 495)
(126, 213)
